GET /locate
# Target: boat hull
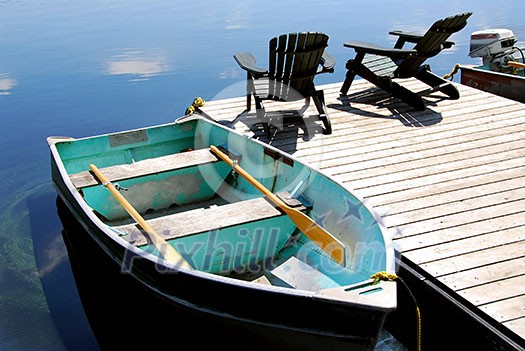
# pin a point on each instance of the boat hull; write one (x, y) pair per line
(236, 318)
(269, 316)
(501, 84)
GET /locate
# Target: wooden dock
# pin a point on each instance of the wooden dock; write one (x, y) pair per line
(449, 185)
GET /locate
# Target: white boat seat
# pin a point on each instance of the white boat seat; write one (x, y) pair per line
(300, 275)
(206, 219)
(146, 167)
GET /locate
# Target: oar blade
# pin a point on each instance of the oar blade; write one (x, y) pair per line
(326, 241)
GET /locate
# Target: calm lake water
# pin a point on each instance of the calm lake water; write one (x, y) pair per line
(80, 68)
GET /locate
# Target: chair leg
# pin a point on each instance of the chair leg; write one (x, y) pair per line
(248, 102)
(351, 66)
(350, 75)
(250, 89)
(261, 116)
(319, 102)
(438, 83)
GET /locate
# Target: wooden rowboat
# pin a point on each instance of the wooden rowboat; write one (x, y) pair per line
(503, 69)
(210, 220)
(509, 84)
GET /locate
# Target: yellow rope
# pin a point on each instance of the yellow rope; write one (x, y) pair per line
(451, 74)
(392, 276)
(189, 111)
(197, 102)
(418, 312)
(383, 276)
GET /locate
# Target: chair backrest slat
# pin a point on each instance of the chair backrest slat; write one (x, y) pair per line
(298, 70)
(293, 41)
(432, 42)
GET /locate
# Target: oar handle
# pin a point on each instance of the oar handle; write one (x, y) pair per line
(164, 248)
(516, 64)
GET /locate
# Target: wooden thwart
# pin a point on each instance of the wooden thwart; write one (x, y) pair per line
(146, 167)
(202, 220)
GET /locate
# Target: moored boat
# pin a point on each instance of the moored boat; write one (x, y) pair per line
(502, 71)
(212, 221)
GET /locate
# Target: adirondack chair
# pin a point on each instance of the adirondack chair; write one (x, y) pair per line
(381, 66)
(294, 61)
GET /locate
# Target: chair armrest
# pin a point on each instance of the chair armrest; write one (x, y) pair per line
(327, 63)
(247, 62)
(413, 38)
(410, 37)
(368, 48)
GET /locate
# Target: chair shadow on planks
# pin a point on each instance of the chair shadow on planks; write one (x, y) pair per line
(293, 123)
(375, 103)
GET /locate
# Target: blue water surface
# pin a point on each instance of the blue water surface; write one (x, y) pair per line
(80, 68)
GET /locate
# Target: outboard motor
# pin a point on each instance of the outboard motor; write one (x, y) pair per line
(495, 47)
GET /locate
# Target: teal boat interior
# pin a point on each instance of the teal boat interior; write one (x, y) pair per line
(514, 70)
(216, 219)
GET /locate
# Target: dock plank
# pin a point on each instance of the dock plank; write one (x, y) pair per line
(490, 226)
(384, 152)
(453, 220)
(500, 290)
(518, 326)
(450, 186)
(479, 258)
(456, 196)
(383, 184)
(485, 274)
(464, 202)
(462, 246)
(506, 310)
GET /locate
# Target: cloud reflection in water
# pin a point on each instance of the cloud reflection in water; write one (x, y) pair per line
(141, 65)
(6, 84)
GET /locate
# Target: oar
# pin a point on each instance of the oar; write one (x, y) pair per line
(165, 249)
(312, 230)
(516, 64)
